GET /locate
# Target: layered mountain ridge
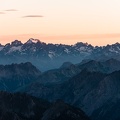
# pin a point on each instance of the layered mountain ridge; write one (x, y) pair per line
(15, 76)
(45, 55)
(92, 84)
(96, 93)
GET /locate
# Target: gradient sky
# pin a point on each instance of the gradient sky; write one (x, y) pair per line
(60, 21)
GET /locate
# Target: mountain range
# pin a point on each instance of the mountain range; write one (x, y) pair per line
(96, 93)
(81, 75)
(68, 70)
(92, 88)
(48, 56)
(17, 76)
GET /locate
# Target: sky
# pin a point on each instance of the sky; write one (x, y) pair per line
(60, 21)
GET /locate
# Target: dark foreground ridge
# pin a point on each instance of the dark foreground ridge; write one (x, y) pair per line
(24, 107)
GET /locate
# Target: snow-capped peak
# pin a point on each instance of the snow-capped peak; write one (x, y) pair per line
(1, 45)
(31, 40)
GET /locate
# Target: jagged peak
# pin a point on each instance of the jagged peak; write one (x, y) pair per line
(1, 45)
(81, 44)
(117, 43)
(32, 40)
(16, 43)
(8, 44)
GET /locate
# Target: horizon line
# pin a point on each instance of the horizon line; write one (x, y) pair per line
(61, 39)
(61, 43)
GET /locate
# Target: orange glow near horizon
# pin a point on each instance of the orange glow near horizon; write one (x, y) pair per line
(65, 21)
(95, 39)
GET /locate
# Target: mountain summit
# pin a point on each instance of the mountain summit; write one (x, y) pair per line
(31, 40)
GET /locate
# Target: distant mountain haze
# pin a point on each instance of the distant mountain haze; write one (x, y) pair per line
(49, 56)
(90, 85)
(15, 77)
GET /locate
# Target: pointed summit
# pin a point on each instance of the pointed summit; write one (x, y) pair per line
(1, 45)
(16, 43)
(79, 44)
(31, 40)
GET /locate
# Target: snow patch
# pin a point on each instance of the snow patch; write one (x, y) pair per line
(81, 49)
(31, 40)
(14, 48)
(51, 54)
(112, 50)
(1, 48)
(118, 48)
(66, 50)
